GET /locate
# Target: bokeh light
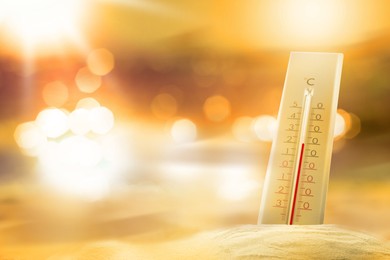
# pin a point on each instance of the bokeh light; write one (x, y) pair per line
(87, 103)
(217, 108)
(55, 94)
(347, 125)
(86, 81)
(53, 122)
(183, 130)
(100, 62)
(354, 126)
(80, 151)
(175, 91)
(235, 183)
(164, 106)
(79, 121)
(41, 21)
(243, 129)
(181, 172)
(68, 160)
(101, 120)
(265, 127)
(116, 151)
(72, 167)
(29, 137)
(340, 126)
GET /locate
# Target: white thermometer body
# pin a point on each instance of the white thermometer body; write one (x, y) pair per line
(297, 176)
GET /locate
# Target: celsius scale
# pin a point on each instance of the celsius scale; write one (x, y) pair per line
(297, 176)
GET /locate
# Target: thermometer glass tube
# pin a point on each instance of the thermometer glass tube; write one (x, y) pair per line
(297, 176)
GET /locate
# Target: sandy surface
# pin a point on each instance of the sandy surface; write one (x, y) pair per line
(140, 225)
(245, 242)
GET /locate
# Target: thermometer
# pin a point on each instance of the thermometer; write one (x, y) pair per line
(297, 176)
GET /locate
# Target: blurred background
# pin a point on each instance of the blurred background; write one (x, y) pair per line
(152, 120)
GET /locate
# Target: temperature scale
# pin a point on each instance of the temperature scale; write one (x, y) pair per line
(297, 176)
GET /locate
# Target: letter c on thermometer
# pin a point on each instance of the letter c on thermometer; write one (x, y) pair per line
(310, 82)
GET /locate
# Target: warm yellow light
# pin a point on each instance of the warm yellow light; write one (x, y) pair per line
(308, 20)
(347, 125)
(183, 130)
(55, 94)
(340, 126)
(100, 62)
(29, 137)
(315, 12)
(79, 150)
(243, 130)
(87, 103)
(354, 126)
(183, 172)
(79, 121)
(216, 108)
(101, 120)
(303, 23)
(53, 122)
(265, 127)
(235, 183)
(86, 81)
(164, 106)
(83, 161)
(40, 21)
(72, 167)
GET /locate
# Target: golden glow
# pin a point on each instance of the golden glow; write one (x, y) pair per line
(234, 182)
(205, 66)
(86, 81)
(79, 121)
(71, 167)
(217, 108)
(164, 106)
(340, 126)
(301, 23)
(101, 120)
(29, 137)
(183, 172)
(53, 122)
(100, 62)
(317, 17)
(265, 127)
(88, 103)
(306, 22)
(115, 150)
(76, 162)
(79, 150)
(243, 130)
(157, 189)
(183, 130)
(55, 94)
(347, 125)
(354, 126)
(234, 77)
(40, 21)
(82, 166)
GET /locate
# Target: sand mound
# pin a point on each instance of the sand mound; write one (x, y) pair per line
(248, 242)
(299, 242)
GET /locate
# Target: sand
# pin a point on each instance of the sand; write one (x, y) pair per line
(245, 242)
